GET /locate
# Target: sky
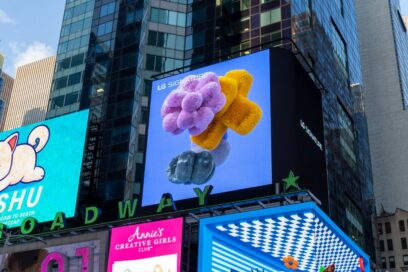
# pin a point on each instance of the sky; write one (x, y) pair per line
(29, 30)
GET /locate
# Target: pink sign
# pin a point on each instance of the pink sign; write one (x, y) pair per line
(150, 247)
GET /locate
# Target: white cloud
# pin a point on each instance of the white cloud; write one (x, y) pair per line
(25, 54)
(4, 18)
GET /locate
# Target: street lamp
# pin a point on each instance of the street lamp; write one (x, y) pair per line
(6, 243)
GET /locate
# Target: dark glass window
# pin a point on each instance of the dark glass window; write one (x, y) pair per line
(57, 102)
(390, 245)
(379, 228)
(382, 246)
(339, 45)
(64, 64)
(387, 227)
(392, 261)
(152, 39)
(118, 161)
(383, 263)
(404, 243)
(77, 60)
(71, 98)
(150, 62)
(107, 9)
(74, 78)
(405, 259)
(401, 225)
(61, 82)
(105, 28)
(120, 134)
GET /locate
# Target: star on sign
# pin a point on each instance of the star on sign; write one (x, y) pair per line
(290, 181)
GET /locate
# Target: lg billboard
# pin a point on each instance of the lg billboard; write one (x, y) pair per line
(240, 126)
(40, 168)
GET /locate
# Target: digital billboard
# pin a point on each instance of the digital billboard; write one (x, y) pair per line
(75, 257)
(299, 237)
(210, 126)
(40, 166)
(154, 246)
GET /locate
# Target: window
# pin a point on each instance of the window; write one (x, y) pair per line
(107, 9)
(347, 136)
(379, 228)
(404, 243)
(405, 259)
(105, 28)
(383, 263)
(74, 79)
(382, 246)
(61, 82)
(339, 45)
(401, 225)
(64, 64)
(77, 60)
(392, 261)
(387, 227)
(57, 102)
(270, 17)
(390, 246)
(169, 17)
(120, 134)
(71, 98)
(267, 1)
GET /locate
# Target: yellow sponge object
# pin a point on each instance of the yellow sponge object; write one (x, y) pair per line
(239, 113)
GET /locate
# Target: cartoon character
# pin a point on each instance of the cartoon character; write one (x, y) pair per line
(18, 161)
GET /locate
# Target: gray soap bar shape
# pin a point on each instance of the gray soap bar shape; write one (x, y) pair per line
(190, 167)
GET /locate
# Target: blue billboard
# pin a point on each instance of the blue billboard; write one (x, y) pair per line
(40, 167)
(210, 126)
(297, 237)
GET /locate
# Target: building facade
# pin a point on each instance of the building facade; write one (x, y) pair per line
(29, 97)
(385, 71)
(125, 43)
(391, 231)
(8, 82)
(2, 103)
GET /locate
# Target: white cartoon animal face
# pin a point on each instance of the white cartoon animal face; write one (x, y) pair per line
(18, 161)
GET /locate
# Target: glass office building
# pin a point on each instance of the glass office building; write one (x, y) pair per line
(109, 50)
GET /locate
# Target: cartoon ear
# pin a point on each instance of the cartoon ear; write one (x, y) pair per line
(12, 140)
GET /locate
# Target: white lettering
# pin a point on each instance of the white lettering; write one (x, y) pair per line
(3, 205)
(30, 203)
(311, 135)
(18, 200)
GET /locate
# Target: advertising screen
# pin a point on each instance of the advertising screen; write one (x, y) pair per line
(40, 168)
(297, 237)
(153, 247)
(77, 257)
(210, 126)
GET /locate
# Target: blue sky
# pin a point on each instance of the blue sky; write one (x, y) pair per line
(29, 30)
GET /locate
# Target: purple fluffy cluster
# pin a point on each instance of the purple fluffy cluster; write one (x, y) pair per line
(193, 104)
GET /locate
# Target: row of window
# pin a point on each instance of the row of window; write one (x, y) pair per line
(77, 26)
(339, 45)
(63, 100)
(70, 62)
(66, 81)
(401, 226)
(391, 261)
(161, 64)
(73, 44)
(168, 17)
(166, 40)
(78, 10)
(390, 245)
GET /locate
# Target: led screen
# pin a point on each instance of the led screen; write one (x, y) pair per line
(210, 126)
(40, 168)
(154, 246)
(77, 257)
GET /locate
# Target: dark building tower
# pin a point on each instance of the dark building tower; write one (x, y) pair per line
(109, 50)
(325, 33)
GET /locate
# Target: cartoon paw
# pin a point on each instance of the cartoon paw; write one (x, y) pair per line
(190, 167)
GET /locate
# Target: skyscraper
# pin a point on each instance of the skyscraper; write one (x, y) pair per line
(29, 97)
(385, 70)
(2, 104)
(122, 44)
(8, 82)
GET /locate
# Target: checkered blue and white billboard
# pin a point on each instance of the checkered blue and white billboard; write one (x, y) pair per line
(297, 237)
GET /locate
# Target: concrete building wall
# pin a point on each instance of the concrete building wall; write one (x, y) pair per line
(31, 90)
(391, 241)
(6, 95)
(384, 104)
